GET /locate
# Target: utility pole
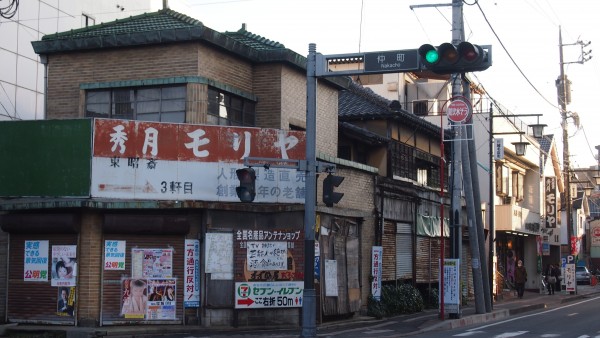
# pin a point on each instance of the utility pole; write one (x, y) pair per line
(563, 91)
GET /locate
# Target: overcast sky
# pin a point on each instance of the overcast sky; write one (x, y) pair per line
(527, 31)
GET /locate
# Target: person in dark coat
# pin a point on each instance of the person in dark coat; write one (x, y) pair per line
(520, 278)
(549, 279)
(557, 274)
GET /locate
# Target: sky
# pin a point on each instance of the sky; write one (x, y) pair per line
(524, 35)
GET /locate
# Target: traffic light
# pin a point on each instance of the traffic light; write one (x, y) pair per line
(247, 189)
(331, 197)
(448, 58)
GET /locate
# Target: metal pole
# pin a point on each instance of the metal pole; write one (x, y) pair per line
(474, 208)
(455, 202)
(492, 206)
(309, 305)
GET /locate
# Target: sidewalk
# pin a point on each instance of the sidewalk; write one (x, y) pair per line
(508, 305)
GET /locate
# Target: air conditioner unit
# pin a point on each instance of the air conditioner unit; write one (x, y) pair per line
(425, 107)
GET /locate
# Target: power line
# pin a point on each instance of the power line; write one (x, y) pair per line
(513, 60)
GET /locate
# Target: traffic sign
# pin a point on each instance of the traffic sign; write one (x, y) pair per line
(392, 61)
(458, 111)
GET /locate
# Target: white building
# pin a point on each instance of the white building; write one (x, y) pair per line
(21, 70)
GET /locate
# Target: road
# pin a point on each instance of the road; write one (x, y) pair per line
(578, 319)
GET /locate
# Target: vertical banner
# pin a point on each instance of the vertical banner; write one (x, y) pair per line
(376, 261)
(65, 306)
(35, 268)
(317, 261)
(114, 255)
(191, 284)
(64, 265)
(550, 200)
(451, 285)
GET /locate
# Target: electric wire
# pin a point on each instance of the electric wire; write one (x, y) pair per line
(512, 59)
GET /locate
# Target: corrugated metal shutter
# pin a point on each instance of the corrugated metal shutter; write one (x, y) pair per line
(34, 302)
(404, 251)
(112, 292)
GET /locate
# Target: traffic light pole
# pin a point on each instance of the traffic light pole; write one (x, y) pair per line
(309, 306)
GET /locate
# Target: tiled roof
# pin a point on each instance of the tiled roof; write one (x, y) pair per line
(360, 103)
(168, 26)
(147, 22)
(253, 40)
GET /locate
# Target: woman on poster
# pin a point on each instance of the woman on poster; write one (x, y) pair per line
(135, 297)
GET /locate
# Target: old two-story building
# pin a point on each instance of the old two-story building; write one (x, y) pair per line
(131, 182)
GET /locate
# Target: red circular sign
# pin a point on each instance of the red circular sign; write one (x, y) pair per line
(597, 232)
(458, 111)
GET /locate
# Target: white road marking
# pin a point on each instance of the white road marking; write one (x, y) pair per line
(511, 334)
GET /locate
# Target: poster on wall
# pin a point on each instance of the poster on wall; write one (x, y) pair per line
(266, 256)
(134, 297)
(451, 286)
(152, 263)
(161, 299)
(331, 282)
(35, 267)
(114, 255)
(219, 255)
(64, 265)
(65, 306)
(191, 287)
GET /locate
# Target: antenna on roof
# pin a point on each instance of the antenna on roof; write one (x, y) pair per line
(165, 4)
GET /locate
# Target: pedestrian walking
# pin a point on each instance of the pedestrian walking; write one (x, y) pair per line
(557, 274)
(520, 278)
(551, 279)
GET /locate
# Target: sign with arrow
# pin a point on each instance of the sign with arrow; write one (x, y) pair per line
(258, 295)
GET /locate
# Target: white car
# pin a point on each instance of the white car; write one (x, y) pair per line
(582, 275)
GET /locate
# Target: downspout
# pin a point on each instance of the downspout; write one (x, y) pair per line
(44, 61)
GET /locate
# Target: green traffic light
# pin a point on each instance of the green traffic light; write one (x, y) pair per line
(432, 56)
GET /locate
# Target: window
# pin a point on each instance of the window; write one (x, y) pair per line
(159, 104)
(501, 180)
(518, 185)
(422, 176)
(226, 109)
(420, 108)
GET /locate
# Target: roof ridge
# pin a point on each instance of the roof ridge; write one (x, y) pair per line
(168, 12)
(242, 34)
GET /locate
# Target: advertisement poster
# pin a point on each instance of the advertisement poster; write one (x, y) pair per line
(191, 287)
(114, 255)
(161, 299)
(152, 263)
(64, 265)
(257, 295)
(134, 297)
(35, 267)
(267, 256)
(331, 282)
(65, 305)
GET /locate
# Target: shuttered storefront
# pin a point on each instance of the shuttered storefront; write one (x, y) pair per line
(154, 250)
(151, 255)
(30, 300)
(388, 263)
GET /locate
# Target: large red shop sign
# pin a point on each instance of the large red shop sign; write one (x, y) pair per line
(151, 160)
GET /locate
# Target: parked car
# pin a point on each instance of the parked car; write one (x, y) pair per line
(582, 275)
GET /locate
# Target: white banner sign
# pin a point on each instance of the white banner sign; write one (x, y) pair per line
(36, 261)
(191, 282)
(376, 261)
(114, 255)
